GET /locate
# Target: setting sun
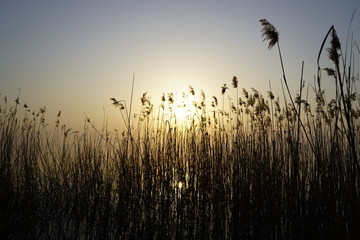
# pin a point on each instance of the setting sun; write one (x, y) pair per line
(183, 108)
(181, 113)
(179, 119)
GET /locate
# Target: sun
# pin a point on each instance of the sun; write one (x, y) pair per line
(181, 108)
(180, 185)
(181, 113)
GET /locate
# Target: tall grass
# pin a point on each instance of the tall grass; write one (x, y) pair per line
(257, 169)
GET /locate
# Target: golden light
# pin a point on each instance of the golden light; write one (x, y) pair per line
(180, 185)
(181, 113)
(180, 108)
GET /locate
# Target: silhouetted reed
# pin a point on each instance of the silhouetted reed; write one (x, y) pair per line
(251, 170)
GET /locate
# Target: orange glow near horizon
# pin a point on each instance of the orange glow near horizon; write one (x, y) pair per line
(73, 57)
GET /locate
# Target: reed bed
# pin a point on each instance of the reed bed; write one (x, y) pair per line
(260, 168)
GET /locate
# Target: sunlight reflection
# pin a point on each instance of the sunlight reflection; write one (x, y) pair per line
(180, 185)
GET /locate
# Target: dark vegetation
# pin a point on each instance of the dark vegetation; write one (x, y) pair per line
(259, 169)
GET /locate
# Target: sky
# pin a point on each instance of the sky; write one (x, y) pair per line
(74, 56)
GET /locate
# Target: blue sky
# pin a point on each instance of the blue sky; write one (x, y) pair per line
(74, 55)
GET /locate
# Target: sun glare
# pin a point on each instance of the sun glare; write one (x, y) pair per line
(180, 185)
(181, 108)
(181, 113)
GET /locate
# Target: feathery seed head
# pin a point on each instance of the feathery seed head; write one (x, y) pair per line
(116, 103)
(335, 47)
(235, 82)
(215, 102)
(271, 95)
(171, 98)
(330, 71)
(269, 32)
(191, 90)
(223, 89)
(202, 94)
(256, 93)
(144, 99)
(246, 94)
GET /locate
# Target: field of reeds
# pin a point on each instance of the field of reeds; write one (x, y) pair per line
(258, 167)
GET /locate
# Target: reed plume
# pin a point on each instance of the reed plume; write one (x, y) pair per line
(223, 89)
(269, 33)
(335, 47)
(235, 82)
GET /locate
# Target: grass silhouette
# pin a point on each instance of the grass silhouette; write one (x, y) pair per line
(257, 169)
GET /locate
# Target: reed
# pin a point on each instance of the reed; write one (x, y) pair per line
(274, 171)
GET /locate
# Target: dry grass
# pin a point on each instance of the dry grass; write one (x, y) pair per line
(252, 170)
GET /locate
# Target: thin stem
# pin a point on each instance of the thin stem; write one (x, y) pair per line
(292, 101)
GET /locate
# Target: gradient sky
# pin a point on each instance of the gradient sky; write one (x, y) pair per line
(74, 55)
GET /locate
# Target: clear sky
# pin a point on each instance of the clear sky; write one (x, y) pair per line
(74, 55)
